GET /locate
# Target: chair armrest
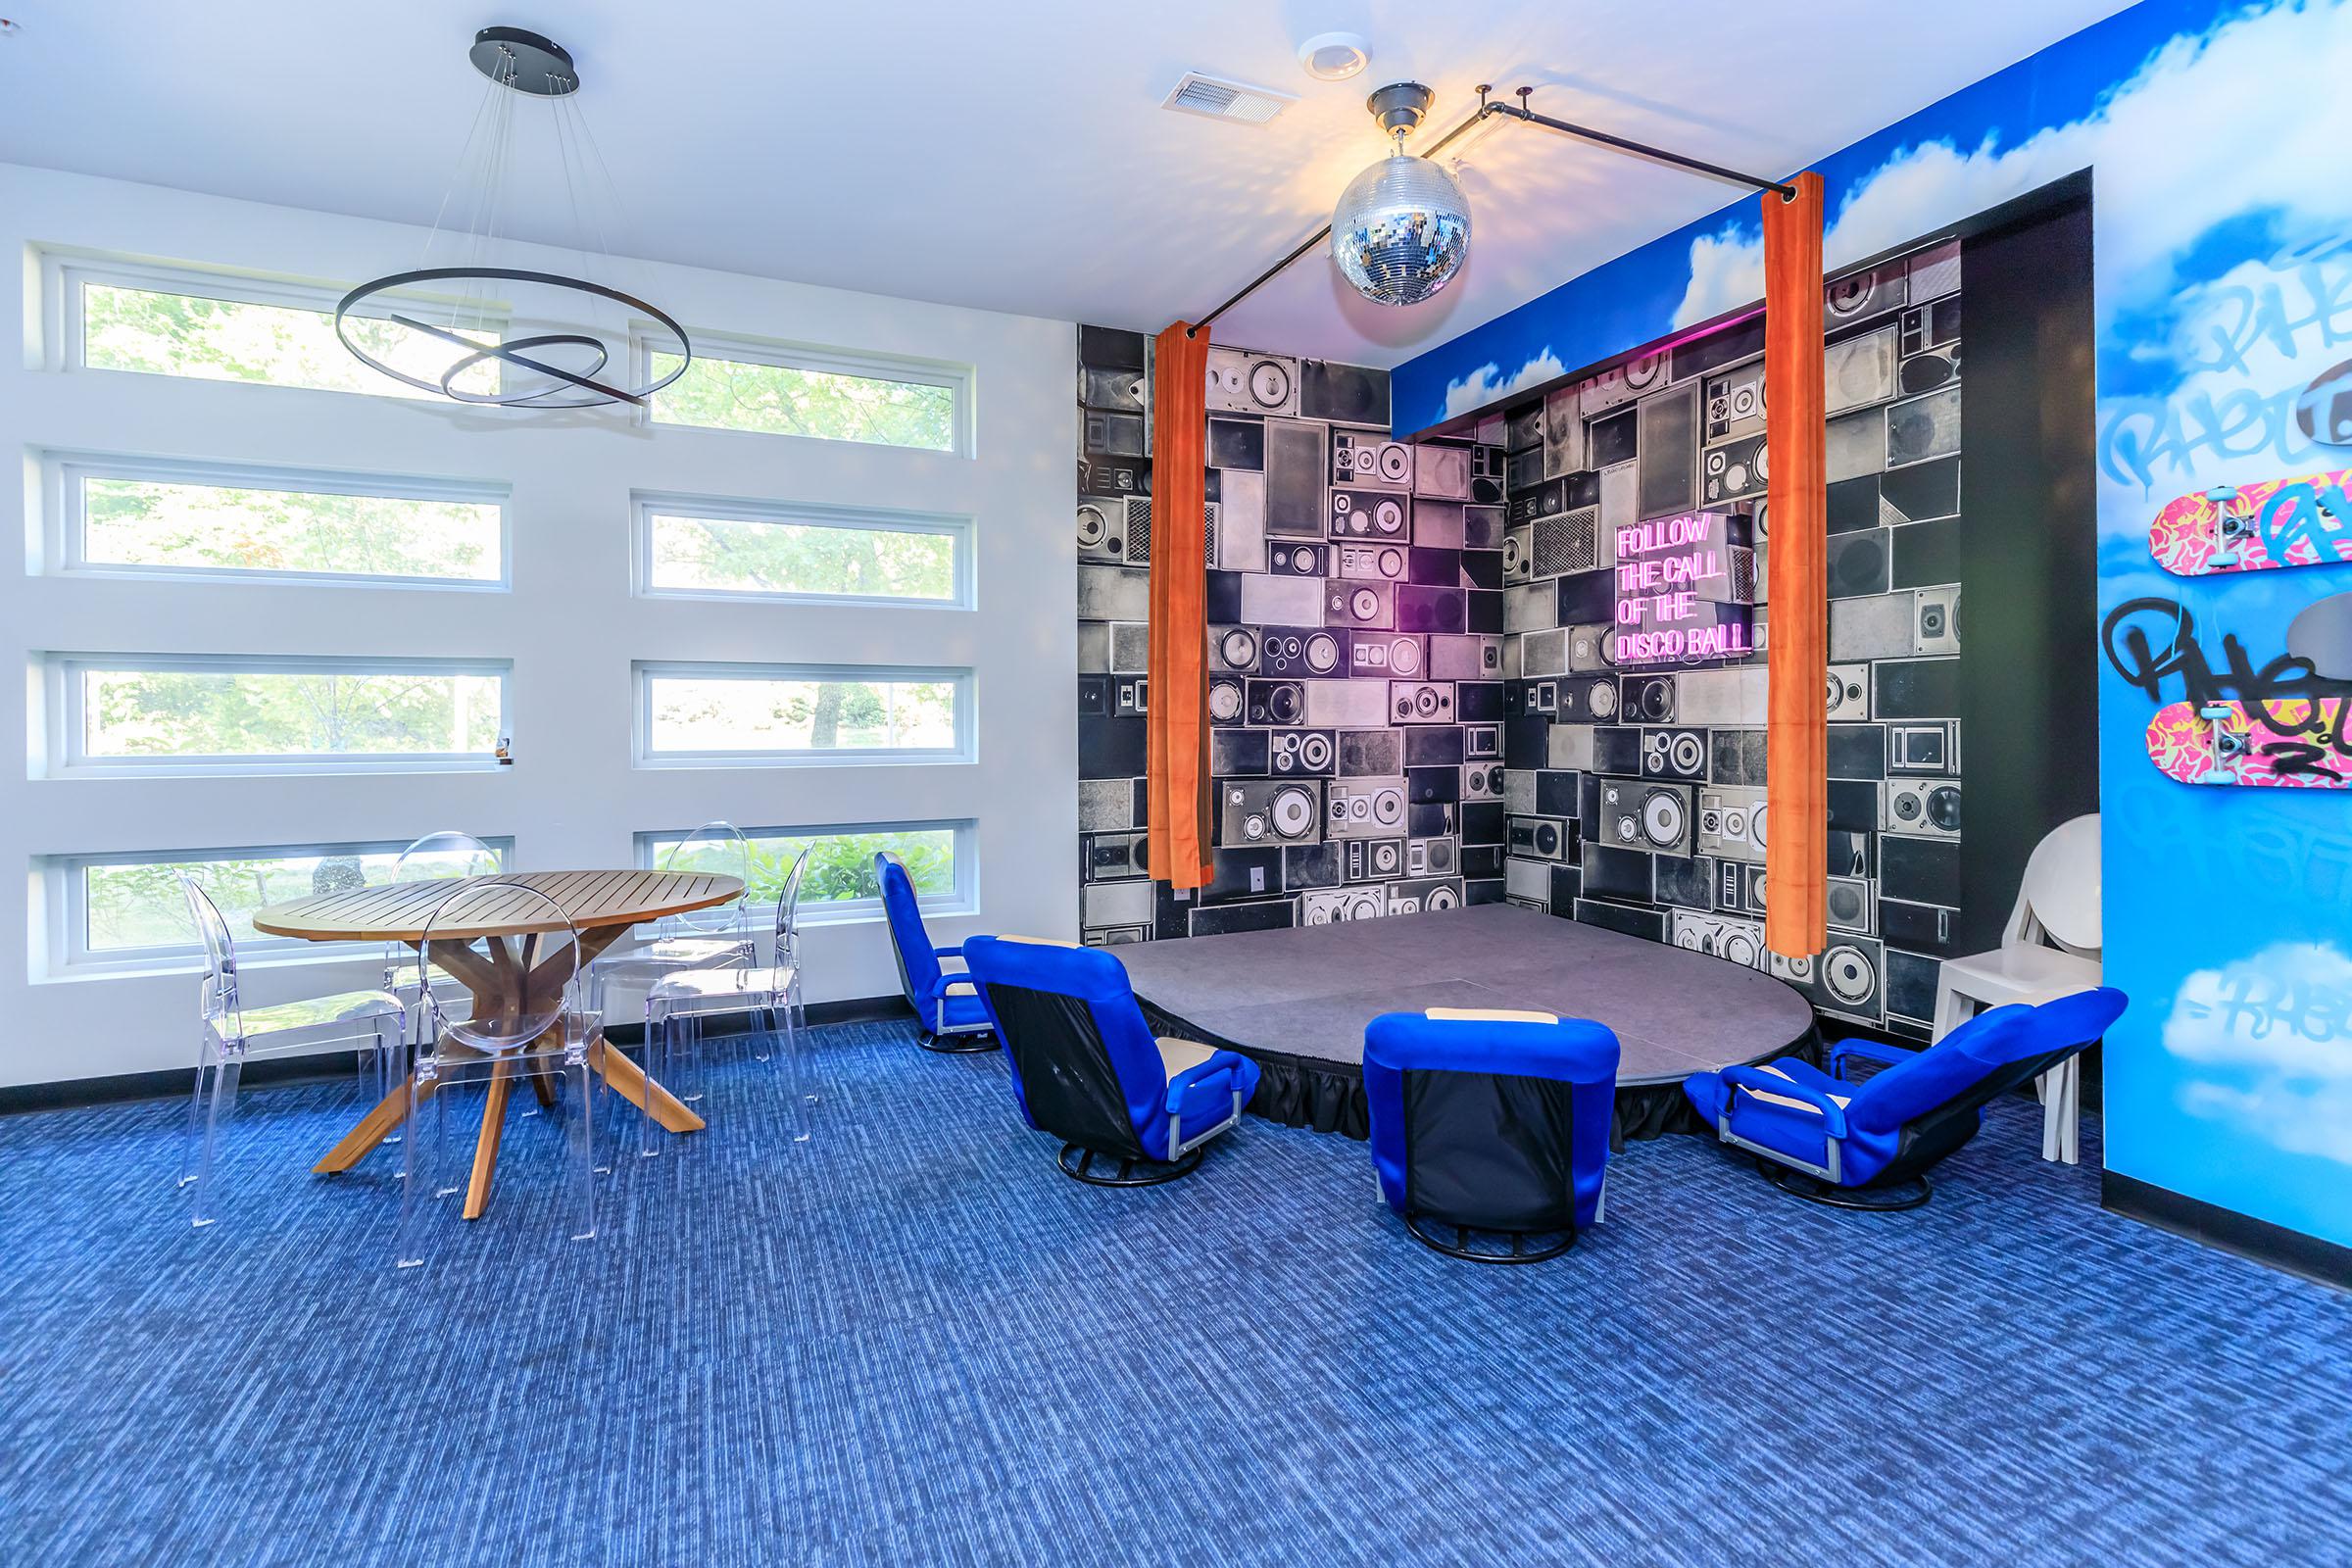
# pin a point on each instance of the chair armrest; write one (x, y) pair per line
(949, 982)
(955, 953)
(1757, 1081)
(1876, 1051)
(1194, 1077)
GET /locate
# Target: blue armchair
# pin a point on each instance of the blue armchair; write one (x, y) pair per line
(1495, 1122)
(1085, 1067)
(1870, 1146)
(954, 1020)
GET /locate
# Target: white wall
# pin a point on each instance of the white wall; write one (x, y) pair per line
(571, 626)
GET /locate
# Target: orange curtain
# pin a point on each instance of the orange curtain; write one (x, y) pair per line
(1795, 402)
(1178, 715)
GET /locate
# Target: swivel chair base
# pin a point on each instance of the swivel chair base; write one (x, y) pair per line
(1866, 1200)
(957, 1045)
(1154, 1172)
(1462, 1248)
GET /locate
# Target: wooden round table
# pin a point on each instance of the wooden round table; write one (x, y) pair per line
(512, 980)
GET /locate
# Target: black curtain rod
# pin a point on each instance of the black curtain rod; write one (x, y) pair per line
(1525, 116)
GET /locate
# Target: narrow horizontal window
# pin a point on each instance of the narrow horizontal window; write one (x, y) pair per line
(126, 911)
(225, 330)
(271, 715)
(702, 548)
(797, 714)
(205, 522)
(823, 396)
(841, 880)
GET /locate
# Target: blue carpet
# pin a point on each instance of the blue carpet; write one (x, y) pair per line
(911, 1342)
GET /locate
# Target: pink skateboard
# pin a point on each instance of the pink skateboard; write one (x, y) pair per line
(2294, 743)
(2278, 522)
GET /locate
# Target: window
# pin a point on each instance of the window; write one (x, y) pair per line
(692, 548)
(222, 328)
(125, 911)
(841, 881)
(122, 515)
(831, 396)
(136, 714)
(715, 713)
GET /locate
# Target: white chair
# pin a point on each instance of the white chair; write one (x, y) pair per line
(2050, 949)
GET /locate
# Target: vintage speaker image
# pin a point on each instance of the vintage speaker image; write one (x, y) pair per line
(1731, 823)
(1421, 702)
(1924, 427)
(1442, 471)
(1361, 808)
(1680, 754)
(1565, 543)
(1925, 746)
(1332, 905)
(1226, 699)
(1302, 751)
(1297, 456)
(1461, 656)
(1587, 700)
(1542, 837)
(1365, 458)
(1847, 976)
(1668, 449)
(1591, 649)
(1849, 692)
(1276, 702)
(1734, 404)
(1518, 554)
(1740, 888)
(1934, 368)
(1288, 557)
(1938, 611)
(1131, 696)
(1852, 906)
(1113, 857)
(1370, 514)
(1296, 652)
(1428, 858)
(1240, 382)
(1861, 295)
(1371, 752)
(1261, 811)
(1482, 781)
(1371, 562)
(1926, 807)
(1359, 604)
(1233, 650)
(1860, 370)
(1645, 816)
(1736, 469)
(1648, 698)
(1384, 653)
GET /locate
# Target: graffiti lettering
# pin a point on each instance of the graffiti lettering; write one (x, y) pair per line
(2254, 1005)
(2136, 629)
(2308, 513)
(2319, 316)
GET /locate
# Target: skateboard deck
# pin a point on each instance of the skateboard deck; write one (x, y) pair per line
(2304, 521)
(2294, 743)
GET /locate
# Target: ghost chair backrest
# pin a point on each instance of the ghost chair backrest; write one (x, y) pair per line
(518, 951)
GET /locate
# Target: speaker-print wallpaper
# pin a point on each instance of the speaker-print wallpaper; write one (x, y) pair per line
(1635, 791)
(1355, 651)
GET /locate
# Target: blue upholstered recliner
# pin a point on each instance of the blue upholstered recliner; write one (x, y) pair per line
(1870, 1145)
(1493, 1122)
(954, 1018)
(1085, 1067)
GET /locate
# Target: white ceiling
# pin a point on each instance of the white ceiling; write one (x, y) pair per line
(1007, 154)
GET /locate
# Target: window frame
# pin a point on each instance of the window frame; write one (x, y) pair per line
(69, 271)
(963, 900)
(65, 473)
(864, 365)
(63, 694)
(957, 529)
(644, 672)
(64, 890)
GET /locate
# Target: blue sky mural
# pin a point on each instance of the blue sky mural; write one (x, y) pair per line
(2216, 135)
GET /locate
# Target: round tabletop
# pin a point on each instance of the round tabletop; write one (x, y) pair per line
(399, 911)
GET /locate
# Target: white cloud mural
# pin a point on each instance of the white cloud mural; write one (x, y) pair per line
(2270, 1040)
(1480, 387)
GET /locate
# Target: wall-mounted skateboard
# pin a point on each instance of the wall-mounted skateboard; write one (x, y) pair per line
(2294, 743)
(2305, 521)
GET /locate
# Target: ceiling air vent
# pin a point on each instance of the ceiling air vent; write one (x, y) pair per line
(1220, 99)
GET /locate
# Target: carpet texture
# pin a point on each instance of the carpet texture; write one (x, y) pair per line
(911, 1342)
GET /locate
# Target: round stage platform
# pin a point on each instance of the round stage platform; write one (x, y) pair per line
(1296, 1001)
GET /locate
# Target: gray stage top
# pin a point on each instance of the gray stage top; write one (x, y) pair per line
(1308, 991)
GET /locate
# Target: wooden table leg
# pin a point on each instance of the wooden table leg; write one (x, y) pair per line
(485, 1145)
(543, 1086)
(372, 1129)
(633, 1086)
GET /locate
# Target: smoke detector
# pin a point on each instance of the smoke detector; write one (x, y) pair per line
(1219, 98)
(1334, 56)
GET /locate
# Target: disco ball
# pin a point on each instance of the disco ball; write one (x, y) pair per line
(1400, 230)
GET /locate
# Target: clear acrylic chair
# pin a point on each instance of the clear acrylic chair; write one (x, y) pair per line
(677, 1005)
(444, 856)
(541, 1036)
(718, 936)
(233, 1032)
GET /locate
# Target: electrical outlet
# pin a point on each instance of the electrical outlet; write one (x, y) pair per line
(1257, 879)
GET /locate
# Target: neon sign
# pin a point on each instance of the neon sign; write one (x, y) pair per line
(1680, 595)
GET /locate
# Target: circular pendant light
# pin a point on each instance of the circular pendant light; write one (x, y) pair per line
(1403, 226)
(464, 326)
